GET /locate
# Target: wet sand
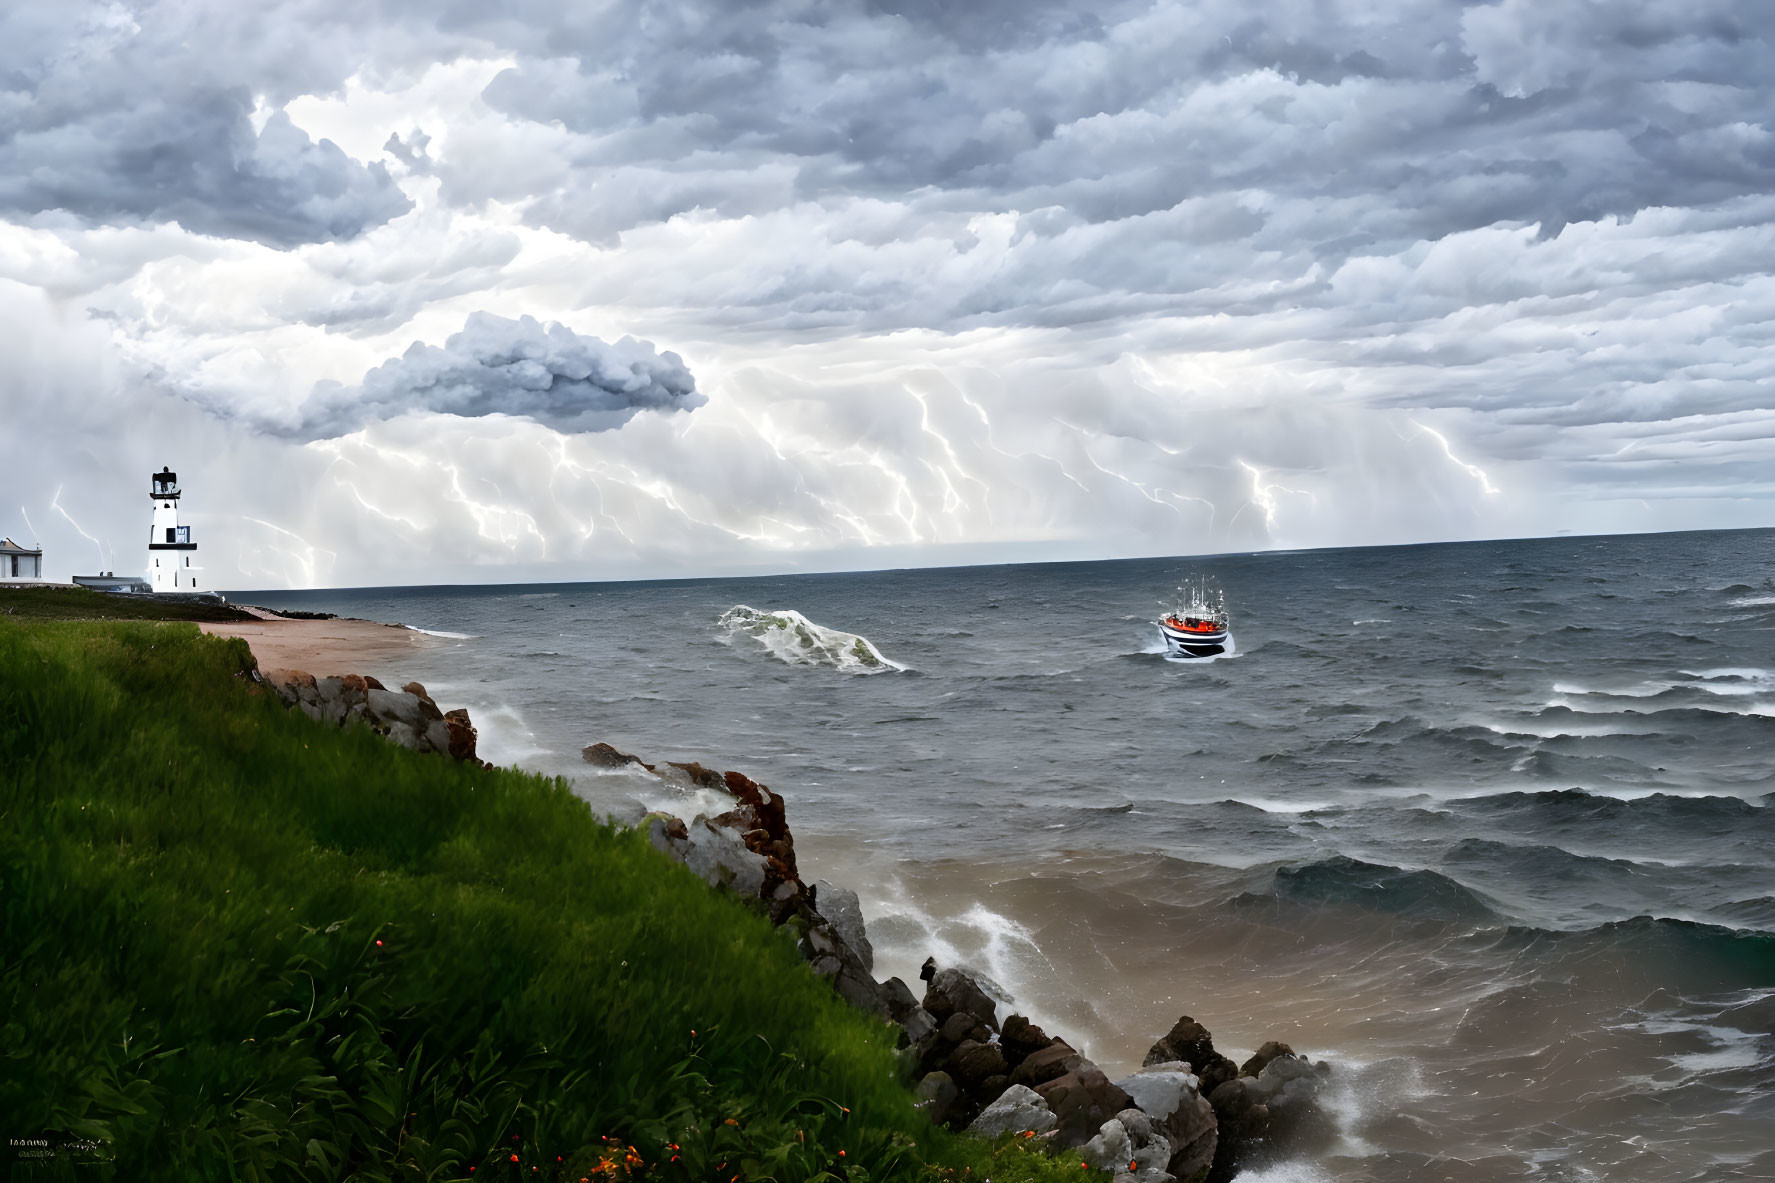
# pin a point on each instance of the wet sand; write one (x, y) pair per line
(326, 647)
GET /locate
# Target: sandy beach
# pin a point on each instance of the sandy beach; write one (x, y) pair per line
(324, 647)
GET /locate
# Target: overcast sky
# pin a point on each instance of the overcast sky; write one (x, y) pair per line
(487, 290)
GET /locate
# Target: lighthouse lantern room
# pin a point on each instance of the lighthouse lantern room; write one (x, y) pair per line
(170, 549)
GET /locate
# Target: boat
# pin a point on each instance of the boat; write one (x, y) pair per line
(1198, 626)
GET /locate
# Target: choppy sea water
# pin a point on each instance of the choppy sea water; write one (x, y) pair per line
(1491, 826)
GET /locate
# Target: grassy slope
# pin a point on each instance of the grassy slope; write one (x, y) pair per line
(240, 945)
(32, 602)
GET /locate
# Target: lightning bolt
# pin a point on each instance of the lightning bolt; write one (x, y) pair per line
(1473, 470)
(55, 503)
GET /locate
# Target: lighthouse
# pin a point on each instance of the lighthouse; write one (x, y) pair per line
(170, 549)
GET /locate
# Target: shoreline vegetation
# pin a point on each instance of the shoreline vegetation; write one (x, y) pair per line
(248, 939)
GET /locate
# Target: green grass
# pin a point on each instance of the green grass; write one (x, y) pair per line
(34, 602)
(240, 945)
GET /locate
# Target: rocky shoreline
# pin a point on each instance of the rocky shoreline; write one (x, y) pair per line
(407, 716)
(1188, 1115)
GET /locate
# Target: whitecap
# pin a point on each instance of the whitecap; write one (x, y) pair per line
(1158, 648)
(795, 640)
(438, 632)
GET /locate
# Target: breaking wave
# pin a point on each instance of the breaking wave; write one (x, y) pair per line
(794, 639)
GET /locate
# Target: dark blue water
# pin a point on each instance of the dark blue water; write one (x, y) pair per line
(1488, 824)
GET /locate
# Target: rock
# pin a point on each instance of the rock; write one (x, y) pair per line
(1017, 1110)
(1169, 1094)
(961, 1026)
(1082, 1100)
(331, 693)
(403, 735)
(603, 755)
(668, 834)
(348, 698)
(928, 970)
(899, 1000)
(287, 684)
(389, 707)
(462, 735)
(1133, 1146)
(1051, 1063)
(1273, 1115)
(937, 1095)
(972, 1062)
(722, 860)
(918, 1025)
(1021, 1038)
(696, 774)
(860, 990)
(1190, 1042)
(841, 907)
(951, 990)
(1262, 1057)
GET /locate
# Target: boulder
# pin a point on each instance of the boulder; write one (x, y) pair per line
(1190, 1042)
(404, 736)
(1262, 1057)
(1051, 1063)
(963, 1026)
(834, 960)
(602, 755)
(973, 1062)
(333, 701)
(918, 1025)
(389, 707)
(1273, 1115)
(696, 774)
(900, 1002)
(841, 907)
(1169, 1094)
(1082, 1100)
(667, 834)
(937, 1095)
(1133, 1146)
(722, 860)
(952, 990)
(1021, 1039)
(1017, 1110)
(462, 735)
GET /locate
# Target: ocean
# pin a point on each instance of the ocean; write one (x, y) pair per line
(1488, 826)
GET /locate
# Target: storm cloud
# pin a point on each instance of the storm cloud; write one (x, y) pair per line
(521, 368)
(124, 113)
(1001, 279)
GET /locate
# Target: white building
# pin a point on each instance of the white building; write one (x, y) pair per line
(170, 549)
(19, 562)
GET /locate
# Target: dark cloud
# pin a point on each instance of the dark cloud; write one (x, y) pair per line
(125, 114)
(1438, 117)
(495, 366)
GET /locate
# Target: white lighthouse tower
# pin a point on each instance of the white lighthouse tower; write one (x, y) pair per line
(170, 549)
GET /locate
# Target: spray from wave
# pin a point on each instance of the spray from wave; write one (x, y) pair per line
(794, 639)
